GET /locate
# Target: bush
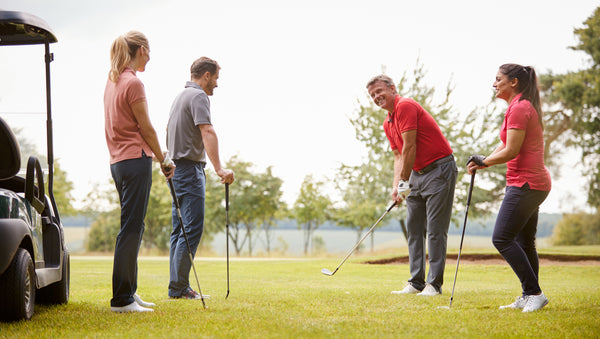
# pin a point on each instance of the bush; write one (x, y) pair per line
(577, 229)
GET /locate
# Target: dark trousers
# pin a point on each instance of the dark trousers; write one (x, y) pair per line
(514, 234)
(133, 179)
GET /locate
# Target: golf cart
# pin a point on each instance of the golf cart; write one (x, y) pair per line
(34, 260)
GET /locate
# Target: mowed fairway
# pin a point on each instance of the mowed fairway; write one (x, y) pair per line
(290, 298)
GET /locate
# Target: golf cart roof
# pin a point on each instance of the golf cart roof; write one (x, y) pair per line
(19, 28)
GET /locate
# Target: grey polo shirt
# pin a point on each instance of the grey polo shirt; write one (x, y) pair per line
(190, 109)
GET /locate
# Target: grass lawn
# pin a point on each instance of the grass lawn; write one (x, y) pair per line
(290, 298)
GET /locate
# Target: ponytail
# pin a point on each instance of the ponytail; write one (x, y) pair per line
(528, 85)
(123, 50)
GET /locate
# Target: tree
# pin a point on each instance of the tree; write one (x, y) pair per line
(270, 206)
(62, 188)
(310, 208)
(255, 201)
(572, 107)
(577, 229)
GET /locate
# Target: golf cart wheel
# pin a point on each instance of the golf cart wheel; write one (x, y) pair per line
(18, 288)
(58, 292)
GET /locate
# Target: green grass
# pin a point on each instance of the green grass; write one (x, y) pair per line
(279, 298)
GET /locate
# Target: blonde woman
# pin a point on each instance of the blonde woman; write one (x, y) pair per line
(132, 142)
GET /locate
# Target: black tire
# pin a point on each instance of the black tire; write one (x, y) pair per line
(58, 292)
(17, 286)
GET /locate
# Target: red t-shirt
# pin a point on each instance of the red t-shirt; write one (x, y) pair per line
(409, 115)
(122, 131)
(528, 166)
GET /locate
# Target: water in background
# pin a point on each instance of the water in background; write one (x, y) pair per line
(290, 242)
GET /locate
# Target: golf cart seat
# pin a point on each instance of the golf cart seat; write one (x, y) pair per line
(9, 152)
(11, 163)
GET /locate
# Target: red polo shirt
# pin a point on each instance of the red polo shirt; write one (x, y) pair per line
(409, 115)
(528, 166)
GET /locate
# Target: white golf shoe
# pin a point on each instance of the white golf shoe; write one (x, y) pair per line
(409, 289)
(429, 291)
(133, 307)
(518, 304)
(535, 302)
(141, 302)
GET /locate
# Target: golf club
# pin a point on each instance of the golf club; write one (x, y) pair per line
(461, 239)
(328, 272)
(227, 237)
(178, 209)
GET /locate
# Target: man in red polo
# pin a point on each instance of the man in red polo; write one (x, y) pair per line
(425, 167)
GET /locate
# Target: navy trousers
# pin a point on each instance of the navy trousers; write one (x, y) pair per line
(133, 180)
(514, 234)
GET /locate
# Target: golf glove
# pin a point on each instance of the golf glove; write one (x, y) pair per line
(168, 162)
(403, 188)
(477, 159)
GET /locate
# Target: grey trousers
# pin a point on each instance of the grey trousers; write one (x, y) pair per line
(429, 212)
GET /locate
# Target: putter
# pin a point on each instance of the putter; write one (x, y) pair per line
(178, 208)
(328, 272)
(227, 237)
(461, 239)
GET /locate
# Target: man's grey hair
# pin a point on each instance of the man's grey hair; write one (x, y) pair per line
(383, 78)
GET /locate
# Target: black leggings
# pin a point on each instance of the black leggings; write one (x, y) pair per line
(514, 234)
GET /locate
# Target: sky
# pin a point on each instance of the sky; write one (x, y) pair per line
(293, 72)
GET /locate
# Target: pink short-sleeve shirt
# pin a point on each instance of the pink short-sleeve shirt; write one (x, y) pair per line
(123, 136)
(528, 166)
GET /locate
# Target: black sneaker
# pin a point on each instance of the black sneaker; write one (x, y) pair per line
(191, 294)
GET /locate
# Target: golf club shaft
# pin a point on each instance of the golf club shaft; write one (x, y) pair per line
(187, 243)
(227, 237)
(463, 235)
(365, 236)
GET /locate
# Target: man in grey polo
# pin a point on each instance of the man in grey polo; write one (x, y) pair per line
(190, 138)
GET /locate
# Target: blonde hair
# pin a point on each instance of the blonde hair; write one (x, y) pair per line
(123, 50)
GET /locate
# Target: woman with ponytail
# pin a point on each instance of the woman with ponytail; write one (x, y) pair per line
(527, 179)
(132, 143)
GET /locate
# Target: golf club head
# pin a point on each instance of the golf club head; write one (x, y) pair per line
(326, 272)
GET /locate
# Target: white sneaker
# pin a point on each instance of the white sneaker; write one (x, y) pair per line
(141, 302)
(409, 289)
(535, 302)
(133, 307)
(429, 291)
(518, 304)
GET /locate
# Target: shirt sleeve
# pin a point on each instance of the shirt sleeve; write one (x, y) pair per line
(518, 117)
(201, 109)
(407, 117)
(135, 91)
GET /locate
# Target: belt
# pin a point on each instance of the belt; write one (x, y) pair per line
(435, 164)
(184, 161)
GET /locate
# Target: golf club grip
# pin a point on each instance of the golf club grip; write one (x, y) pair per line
(227, 196)
(471, 188)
